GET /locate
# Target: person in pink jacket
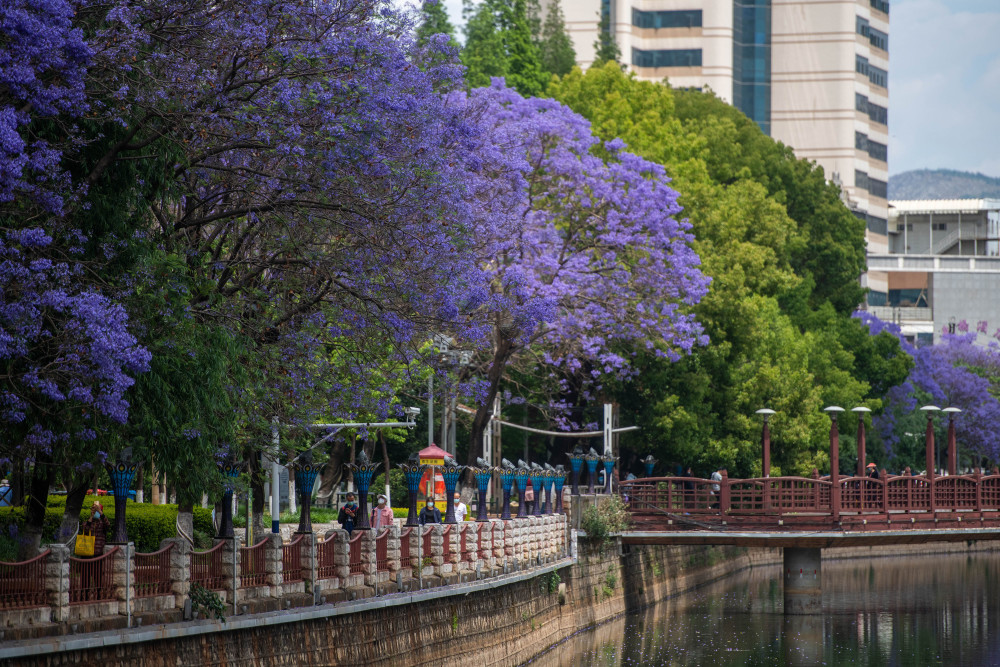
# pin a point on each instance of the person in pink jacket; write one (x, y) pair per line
(381, 514)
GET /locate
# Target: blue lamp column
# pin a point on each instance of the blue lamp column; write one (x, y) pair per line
(363, 471)
(305, 476)
(121, 473)
(522, 485)
(451, 472)
(591, 458)
(548, 481)
(560, 480)
(649, 462)
(412, 471)
(507, 476)
(230, 470)
(483, 477)
(537, 476)
(609, 465)
(576, 465)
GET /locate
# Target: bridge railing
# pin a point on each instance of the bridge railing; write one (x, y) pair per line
(811, 495)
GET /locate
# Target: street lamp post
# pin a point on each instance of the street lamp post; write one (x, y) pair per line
(122, 473)
(648, 463)
(559, 481)
(451, 471)
(413, 471)
(609, 465)
(834, 411)
(952, 445)
(861, 411)
(305, 477)
(929, 410)
(765, 441)
(576, 465)
(230, 470)
(363, 471)
(537, 475)
(507, 475)
(483, 476)
(522, 485)
(591, 458)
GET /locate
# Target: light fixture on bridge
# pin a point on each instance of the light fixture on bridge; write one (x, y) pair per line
(833, 410)
(951, 411)
(765, 413)
(861, 409)
(930, 408)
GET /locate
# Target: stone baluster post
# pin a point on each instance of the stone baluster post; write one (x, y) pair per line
(274, 564)
(180, 569)
(57, 581)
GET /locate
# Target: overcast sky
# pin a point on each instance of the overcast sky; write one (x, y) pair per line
(944, 84)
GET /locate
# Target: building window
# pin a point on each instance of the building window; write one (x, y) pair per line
(861, 65)
(681, 18)
(939, 226)
(876, 113)
(861, 141)
(878, 39)
(860, 180)
(878, 225)
(880, 5)
(878, 188)
(876, 298)
(908, 226)
(877, 151)
(752, 60)
(877, 76)
(667, 58)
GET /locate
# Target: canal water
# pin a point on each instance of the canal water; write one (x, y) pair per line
(928, 610)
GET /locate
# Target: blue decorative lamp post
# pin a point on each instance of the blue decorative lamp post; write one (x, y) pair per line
(548, 481)
(609, 465)
(230, 470)
(451, 472)
(507, 474)
(122, 473)
(305, 476)
(537, 476)
(363, 471)
(591, 458)
(560, 480)
(648, 463)
(413, 471)
(522, 485)
(484, 474)
(576, 465)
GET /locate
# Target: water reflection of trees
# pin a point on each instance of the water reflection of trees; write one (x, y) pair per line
(927, 610)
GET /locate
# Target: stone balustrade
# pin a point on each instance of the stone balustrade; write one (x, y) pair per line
(156, 587)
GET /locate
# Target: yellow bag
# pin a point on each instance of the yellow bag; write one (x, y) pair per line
(84, 545)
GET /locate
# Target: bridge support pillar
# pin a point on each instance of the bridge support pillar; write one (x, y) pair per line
(803, 570)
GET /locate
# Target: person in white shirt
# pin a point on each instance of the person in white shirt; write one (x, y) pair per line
(460, 509)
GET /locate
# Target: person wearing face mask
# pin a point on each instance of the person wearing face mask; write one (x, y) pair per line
(382, 514)
(97, 525)
(429, 514)
(347, 514)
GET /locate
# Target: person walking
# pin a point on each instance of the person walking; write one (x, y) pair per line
(716, 487)
(348, 514)
(460, 509)
(382, 514)
(429, 513)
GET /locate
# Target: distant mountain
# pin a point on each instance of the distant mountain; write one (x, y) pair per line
(942, 184)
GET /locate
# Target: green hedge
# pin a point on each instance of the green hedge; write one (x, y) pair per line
(147, 525)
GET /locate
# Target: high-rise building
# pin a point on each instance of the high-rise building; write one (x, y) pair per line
(812, 73)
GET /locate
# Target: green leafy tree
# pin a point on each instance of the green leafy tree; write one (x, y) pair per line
(784, 284)
(498, 42)
(555, 48)
(606, 46)
(435, 22)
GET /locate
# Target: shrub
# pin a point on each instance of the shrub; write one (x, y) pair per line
(397, 487)
(147, 525)
(607, 517)
(400, 512)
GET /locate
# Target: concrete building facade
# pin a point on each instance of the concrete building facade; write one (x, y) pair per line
(812, 73)
(942, 265)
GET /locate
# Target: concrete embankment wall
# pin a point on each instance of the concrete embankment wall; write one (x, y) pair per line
(500, 622)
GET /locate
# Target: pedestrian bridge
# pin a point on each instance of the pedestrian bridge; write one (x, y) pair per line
(804, 515)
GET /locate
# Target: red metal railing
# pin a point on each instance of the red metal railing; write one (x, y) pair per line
(326, 567)
(382, 551)
(207, 568)
(92, 579)
(253, 564)
(22, 585)
(426, 547)
(354, 549)
(405, 560)
(291, 560)
(804, 497)
(446, 548)
(152, 573)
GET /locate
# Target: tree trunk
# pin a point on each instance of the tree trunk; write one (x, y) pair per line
(71, 514)
(332, 473)
(385, 465)
(501, 354)
(42, 477)
(185, 519)
(256, 492)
